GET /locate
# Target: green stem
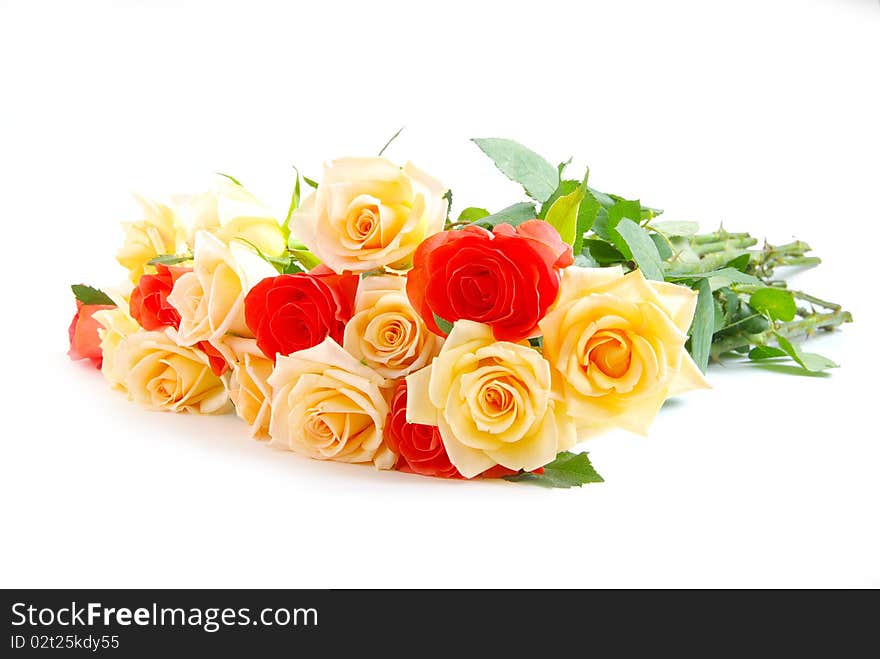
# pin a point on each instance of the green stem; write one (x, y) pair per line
(716, 236)
(812, 299)
(794, 329)
(707, 263)
(732, 242)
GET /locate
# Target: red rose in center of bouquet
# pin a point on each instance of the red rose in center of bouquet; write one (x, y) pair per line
(294, 312)
(506, 278)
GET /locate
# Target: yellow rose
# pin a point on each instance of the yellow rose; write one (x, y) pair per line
(249, 387)
(159, 232)
(492, 401)
(368, 213)
(329, 406)
(210, 299)
(162, 375)
(229, 212)
(117, 324)
(617, 343)
(386, 333)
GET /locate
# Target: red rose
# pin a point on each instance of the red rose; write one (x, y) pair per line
(149, 301)
(419, 447)
(83, 333)
(506, 279)
(293, 312)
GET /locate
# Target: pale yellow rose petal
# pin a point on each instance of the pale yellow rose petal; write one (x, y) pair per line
(419, 408)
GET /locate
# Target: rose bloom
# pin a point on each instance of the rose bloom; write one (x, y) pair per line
(116, 324)
(248, 385)
(492, 401)
(617, 343)
(162, 375)
(287, 313)
(386, 333)
(329, 406)
(160, 231)
(83, 333)
(228, 212)
(149, 304)
(368, 213)
(506, 279)
(210, 299)
(419, 447)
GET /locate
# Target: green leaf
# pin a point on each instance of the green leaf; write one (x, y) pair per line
(566, 186)
(567, 470)
(169, 259)
(537, 176)
(603, 252)
(311, 183)
(809, 361)
(563, 214)
(605, 222)
(703, 326)
(662, 245)
(512, 215)
(537, 342)
(731, 303)
(587, 214)
(90, 295)
(444, 325)
(585, 260)
(766, 352)
(231, 178)
(673, 228)
(777, 303)
(294, 204)
(642, 248)
(740, 263)
(471, 214)
(722, 277)
(624, 209)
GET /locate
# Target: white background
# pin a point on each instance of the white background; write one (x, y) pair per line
(763, 115)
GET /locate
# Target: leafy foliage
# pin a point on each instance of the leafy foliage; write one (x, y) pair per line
(567, 470)
(537, 176)
(91, 295)
(512, 215)
(743, 307)
(169, 259)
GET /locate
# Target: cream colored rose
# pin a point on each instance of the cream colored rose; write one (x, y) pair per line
(386, 333)
(162, 375)
(160, 231)
(368, 213)
(117, 324)
(229, 211)
(329, 406)
(617, 344)
(492, 401)
(248, 383)
(210, 299)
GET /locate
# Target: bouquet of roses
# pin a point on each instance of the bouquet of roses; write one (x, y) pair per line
(371, 327)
